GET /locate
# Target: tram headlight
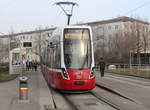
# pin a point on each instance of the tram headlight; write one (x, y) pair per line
(64, 74)
(92, 74)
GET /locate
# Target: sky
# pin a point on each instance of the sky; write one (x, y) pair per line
(27, 15)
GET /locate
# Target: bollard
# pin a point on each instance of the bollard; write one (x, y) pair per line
(23, 88)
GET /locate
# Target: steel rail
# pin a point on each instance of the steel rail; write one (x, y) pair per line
(106, 101)
(70, 102)
(114, 92)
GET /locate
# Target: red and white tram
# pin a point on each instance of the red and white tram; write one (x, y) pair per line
(68, 62)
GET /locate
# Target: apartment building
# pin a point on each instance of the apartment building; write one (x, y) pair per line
(103, 33)
(4, 49)
(105, 29)
(32, 42)
(120, 37)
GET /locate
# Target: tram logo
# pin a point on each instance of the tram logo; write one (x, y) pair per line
(79, 75)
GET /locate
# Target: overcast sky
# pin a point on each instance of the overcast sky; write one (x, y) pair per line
(26, 15)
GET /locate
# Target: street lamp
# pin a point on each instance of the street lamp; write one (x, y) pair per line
(131, 59)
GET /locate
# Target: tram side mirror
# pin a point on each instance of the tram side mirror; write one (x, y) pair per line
(51, 45)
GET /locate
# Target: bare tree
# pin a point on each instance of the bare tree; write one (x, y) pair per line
(118, 47)
(135, 38)
(139, 32)
(145, 41)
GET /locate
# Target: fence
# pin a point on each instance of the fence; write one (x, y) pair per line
(142, 70)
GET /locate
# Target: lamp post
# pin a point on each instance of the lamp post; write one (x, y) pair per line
(131, 59)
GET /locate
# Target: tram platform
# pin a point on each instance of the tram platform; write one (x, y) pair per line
(39, 95)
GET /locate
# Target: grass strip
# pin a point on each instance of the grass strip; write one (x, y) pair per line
(5, 76)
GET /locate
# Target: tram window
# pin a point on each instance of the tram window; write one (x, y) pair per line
(46, 57)
(52, 60)
(58, 56)
(77, 48)
(54, 57)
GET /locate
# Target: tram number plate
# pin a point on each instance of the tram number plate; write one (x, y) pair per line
(79, 82)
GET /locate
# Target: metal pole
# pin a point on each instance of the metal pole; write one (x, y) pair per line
(119, 68)
(147, 70)
(69, 16)
(130, 59)
(9, 54)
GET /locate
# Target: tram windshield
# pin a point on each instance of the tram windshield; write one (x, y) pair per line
(77, 48)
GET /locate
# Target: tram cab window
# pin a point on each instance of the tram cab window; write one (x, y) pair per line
(77, 48)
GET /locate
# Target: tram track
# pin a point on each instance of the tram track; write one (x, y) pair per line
(85, 105)
(60, 101)
(107, 101)
(81, 101)
(93, 100)
(118, 100)
(74, 107)
(114, 92)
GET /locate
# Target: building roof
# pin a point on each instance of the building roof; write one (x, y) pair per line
(121, 19)
(29, 32)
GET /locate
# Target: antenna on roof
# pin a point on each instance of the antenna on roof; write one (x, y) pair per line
(67, 7)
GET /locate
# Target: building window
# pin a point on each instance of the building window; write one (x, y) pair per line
(125, 26)
(146, 28)
(48, 34)
(116, 26)
(101, 37)
(110, 35)
(23, 37)
(109, 27)
(97, 37)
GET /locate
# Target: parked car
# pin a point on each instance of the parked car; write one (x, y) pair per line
(112, 67)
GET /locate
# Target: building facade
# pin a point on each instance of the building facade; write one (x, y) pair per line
(4, 49)
(31, 42)
(117, 38)
(103, 30)
(113, 36)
